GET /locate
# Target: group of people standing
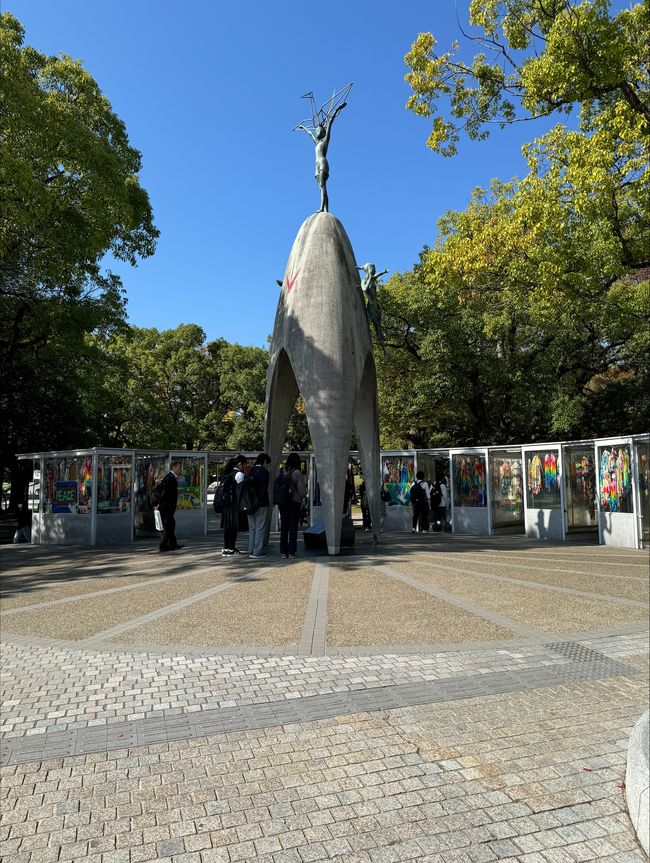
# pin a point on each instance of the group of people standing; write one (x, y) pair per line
(430, 503)
(289, 493)
(239, 485)
(243, 501)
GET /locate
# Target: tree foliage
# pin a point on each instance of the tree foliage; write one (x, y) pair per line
(529, 317)
(170, 390)
(69, 193)
(538, 57)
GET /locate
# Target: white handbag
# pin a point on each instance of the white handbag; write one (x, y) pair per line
(158, 519)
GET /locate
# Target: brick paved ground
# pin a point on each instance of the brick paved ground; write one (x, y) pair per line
(434, 698)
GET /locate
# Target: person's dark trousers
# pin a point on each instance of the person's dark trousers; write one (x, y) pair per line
(421, 517)
(230, 538)
(168, 540)
(289, 518)
(441, 517)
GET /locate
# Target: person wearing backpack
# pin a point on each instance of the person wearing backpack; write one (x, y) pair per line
(292, 495)
(258, 479)
(228, 491)
(419, 493)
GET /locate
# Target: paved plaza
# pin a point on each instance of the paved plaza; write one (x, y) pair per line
(436, 698)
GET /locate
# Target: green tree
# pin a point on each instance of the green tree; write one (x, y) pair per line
(69, 194)
(236, 419)
(529, 317)
(539, 57)
(162, 386)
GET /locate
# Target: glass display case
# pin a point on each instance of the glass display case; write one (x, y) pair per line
(114, 484)
(580, 487)
(506, 488)
(615, 479)
(397, 476)
(191, 509)
(470, 480)
(470, 511)
(618, 523)
(191, 483)
(67, 483)
(82, 497)
(543, 480)
(544, 497)
(150, 468)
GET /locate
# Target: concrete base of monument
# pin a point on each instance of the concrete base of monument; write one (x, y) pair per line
(315, 536)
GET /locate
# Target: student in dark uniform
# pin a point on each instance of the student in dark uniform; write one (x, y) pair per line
(167, 508)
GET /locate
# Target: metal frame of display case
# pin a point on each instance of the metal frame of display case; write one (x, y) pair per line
(79, 528)
(471, 524)
(549, 530)
(642, 515)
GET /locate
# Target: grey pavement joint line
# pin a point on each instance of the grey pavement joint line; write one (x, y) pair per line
(465, 604)
(92, 594)
(144, 648)
(546, 569)
(312, 640)
(598, 555)
(106, 634)
(143, 732)
(536, 585)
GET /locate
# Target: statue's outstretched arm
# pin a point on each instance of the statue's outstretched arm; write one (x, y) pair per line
(333, 117)
(305, 129)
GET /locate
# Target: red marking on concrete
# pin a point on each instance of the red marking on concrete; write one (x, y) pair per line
(291, 282)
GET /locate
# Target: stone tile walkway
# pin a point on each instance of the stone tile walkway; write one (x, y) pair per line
(143, 734)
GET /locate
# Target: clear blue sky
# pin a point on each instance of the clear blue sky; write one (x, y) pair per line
(209, 92)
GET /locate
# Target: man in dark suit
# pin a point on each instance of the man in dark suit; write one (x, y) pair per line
(167, 507)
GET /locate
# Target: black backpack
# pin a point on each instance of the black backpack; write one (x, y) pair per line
(249, 499)
(224, 495)
(156, 495)
(283, 489)
(418, 494)
(436, 495)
